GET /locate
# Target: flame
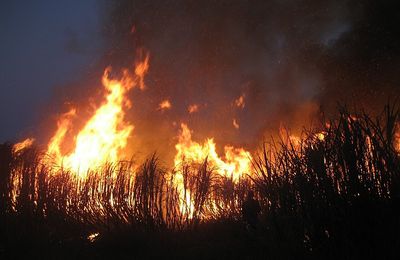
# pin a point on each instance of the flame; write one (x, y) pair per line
(141, 69)
(237, 161)
(63, 124)
(105, 134)
(164, 105)
(235, 164)
(193, 108)
(23, 145)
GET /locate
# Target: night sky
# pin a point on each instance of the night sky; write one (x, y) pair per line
(44, 45)
(291, 59)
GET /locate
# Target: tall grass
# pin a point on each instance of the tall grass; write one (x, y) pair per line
(316, 193)
(115, 196)
(339, 189)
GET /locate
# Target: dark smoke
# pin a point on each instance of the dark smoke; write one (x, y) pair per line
(292, 60)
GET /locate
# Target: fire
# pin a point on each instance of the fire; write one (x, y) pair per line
(235, 164)
(63, 124)
(105, 134)
(23, 145)
(164, 105)
(141, 69)
(193, 108)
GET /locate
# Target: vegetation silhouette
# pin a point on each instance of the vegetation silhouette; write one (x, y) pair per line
(250, 210)
(336, 196)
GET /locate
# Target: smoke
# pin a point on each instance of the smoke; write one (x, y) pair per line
(289, 60)
(210, 53)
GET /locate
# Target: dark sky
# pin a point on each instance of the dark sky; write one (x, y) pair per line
(45, 44)
(292, 59)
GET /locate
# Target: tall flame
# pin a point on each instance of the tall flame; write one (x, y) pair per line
(106, 133)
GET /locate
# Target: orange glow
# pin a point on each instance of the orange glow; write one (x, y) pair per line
(320, 136)
(23, 145)
(193, 108)
(235, 123)
(141, 69)
(290, 139)
(295, 141)
(164, 105)
(105, 135)
(239, 102)
(396, 142)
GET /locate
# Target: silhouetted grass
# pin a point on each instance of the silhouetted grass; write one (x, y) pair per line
(333, 196)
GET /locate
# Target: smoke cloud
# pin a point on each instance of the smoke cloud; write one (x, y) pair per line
(290, 60)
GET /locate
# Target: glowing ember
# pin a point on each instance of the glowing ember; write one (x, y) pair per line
(193, 108)
(239, 102)
(321, 136)
(23, 145)
(105, 134)
(93, 237)
(164, 105)
(396, 141)
(235, 123)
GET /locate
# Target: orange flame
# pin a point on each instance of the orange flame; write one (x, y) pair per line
(23, 145)
(105, 134)
(236, 163)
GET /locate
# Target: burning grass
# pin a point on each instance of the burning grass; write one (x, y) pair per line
(326, 192)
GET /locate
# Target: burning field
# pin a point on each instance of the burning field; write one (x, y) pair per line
(161, 155)
(85, 179)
